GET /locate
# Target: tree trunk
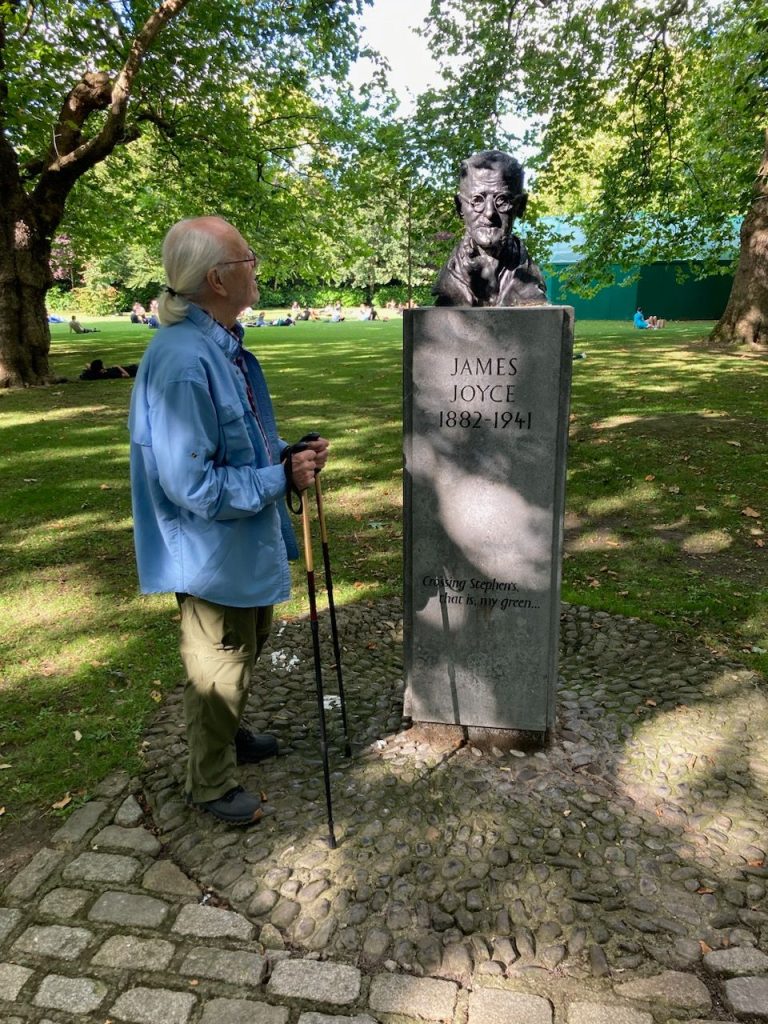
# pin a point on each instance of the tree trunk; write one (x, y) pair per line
(745, 320)
(24, 280)
(28, 219)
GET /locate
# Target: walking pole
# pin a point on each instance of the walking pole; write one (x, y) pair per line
(332, 612)
(309, 562)
(331, 603)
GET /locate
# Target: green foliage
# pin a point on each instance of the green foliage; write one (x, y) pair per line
(317, 296)
(421, 295)
(229, 109)
(312, 295)
(96, 300)
(330, 198)
(646, 119)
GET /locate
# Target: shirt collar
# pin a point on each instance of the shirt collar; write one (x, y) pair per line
(229, 340)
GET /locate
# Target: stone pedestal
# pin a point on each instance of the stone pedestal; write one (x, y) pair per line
(486, 396)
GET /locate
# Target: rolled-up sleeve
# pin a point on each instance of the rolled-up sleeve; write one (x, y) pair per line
(185, 433)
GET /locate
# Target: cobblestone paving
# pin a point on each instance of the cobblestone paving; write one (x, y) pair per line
(617, 877)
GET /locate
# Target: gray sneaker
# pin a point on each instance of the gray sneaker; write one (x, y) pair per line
(236, 807)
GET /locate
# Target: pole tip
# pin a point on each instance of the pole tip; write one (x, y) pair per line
(332, 841)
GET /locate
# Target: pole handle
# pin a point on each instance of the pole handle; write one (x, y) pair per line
(293, 494)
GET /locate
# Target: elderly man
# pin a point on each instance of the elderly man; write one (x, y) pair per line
(490, 266)
(208, 499)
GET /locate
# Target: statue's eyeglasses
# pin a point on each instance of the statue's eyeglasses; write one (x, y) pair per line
(503, 201)
(248, 259)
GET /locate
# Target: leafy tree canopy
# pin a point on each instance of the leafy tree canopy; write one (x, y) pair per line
(231, 95)
(646, 119)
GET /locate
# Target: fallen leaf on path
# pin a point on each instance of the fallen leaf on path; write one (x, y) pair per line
(651, 703)
(2, 811)
(705, 947)
(651, 476)
(750, 512)
(105, 487)
(156, 696)
(2, 766)
(736, 444)
(78, 735)
(704, 891)
(702, 508)
(66, 799)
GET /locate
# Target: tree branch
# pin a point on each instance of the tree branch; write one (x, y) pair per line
(96, 92)
(69, 156)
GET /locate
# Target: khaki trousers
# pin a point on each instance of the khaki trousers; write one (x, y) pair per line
(219, 648)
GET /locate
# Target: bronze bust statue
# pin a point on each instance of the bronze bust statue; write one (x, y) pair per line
(490, 266)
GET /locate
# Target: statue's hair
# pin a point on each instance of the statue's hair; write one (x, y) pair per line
(189, 252)
(492, 159)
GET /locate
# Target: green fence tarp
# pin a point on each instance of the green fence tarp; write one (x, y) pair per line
(659, 292)
(655, 289)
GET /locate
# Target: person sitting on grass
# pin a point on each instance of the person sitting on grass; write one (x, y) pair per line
(77, 327)
(96, 370)
(653, 323)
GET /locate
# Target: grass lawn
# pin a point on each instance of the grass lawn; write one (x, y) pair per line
(665, 509)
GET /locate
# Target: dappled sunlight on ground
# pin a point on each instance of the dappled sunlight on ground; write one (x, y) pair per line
(596, 540)
(628, 499)
(726, 735)
(707, 542)
(614, 421)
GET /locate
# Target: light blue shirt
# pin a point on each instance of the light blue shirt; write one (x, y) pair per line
(207, 485)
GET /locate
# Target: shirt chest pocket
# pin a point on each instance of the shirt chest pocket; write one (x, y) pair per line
(235, 445)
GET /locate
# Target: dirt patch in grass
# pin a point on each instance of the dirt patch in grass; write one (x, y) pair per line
(19, 842)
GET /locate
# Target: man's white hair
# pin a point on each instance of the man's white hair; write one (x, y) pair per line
(189, 252)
